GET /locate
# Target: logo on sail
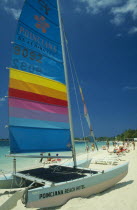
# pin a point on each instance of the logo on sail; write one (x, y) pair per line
(44, 7)
(41, 23)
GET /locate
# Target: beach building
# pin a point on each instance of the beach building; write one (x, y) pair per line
(131, 139)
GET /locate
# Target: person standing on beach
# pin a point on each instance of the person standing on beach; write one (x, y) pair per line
(107, 144)
(41, 157)
(87, 148)
(93, 147)
(49, 158)
(133, 145)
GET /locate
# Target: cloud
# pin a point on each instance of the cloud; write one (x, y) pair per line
(11, 7)
(129, 88)
(118, 9)
(78, 9)
(8, 2)
(133, 30)
(129, 7)
(2, 99)
(96, 6)
(119, 35)
(4, 1)
(14, 12)
(118, 19)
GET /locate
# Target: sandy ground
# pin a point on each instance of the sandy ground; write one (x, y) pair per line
(123, 196)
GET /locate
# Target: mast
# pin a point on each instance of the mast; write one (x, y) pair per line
(67, 84)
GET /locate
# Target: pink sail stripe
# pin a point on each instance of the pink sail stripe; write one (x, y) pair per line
(37, 106)
(38, 115)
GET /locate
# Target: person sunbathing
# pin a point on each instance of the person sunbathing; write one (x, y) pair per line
(104, 147)
(58, 159)
(119, 150)
(114, 150)
(49, 158)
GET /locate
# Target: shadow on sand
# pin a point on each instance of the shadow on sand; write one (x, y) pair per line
(117, 186)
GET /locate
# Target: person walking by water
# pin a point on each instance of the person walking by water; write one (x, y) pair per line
(107, 143)
(41, 157)
(87, 148)
(92, 147)
(133, 145)
(49, 158)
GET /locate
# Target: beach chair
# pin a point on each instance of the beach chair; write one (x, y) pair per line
(106, 160)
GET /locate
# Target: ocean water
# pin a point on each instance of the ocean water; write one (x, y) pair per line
(6, 163)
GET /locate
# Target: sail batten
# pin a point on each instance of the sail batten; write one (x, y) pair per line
(38, 104)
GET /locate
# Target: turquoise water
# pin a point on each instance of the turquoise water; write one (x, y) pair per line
(6, 163)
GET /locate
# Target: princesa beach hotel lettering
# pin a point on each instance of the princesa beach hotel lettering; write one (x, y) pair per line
(60, 192)
(28, 34)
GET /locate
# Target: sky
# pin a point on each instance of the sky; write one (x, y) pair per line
(102, 37)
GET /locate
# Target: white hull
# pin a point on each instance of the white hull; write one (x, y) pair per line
(59, 194)
(6, 181)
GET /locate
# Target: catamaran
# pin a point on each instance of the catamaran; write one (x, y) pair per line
(40, 114)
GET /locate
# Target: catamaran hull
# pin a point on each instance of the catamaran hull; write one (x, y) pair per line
(7, 181)
(60, 193)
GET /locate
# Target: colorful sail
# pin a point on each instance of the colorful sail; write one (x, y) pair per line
(38, 107)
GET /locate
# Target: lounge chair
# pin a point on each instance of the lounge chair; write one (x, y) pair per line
(106, 160)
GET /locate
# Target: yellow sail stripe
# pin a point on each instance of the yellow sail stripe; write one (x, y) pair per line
(36, 79)
(38, 89)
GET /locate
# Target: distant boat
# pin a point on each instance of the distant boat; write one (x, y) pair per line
(40, 118)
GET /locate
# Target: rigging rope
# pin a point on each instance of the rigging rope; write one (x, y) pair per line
(72, 66)
(75, 91)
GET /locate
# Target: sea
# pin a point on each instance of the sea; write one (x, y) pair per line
(6, 163)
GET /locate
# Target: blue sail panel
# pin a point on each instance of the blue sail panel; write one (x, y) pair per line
(39, 23)
(37, 42)
(28, 140)
(38, 104)
(22, 122)
(53, 2)
(34, 62)
(46, 8)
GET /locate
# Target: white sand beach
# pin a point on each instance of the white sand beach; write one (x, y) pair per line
(122, 196)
